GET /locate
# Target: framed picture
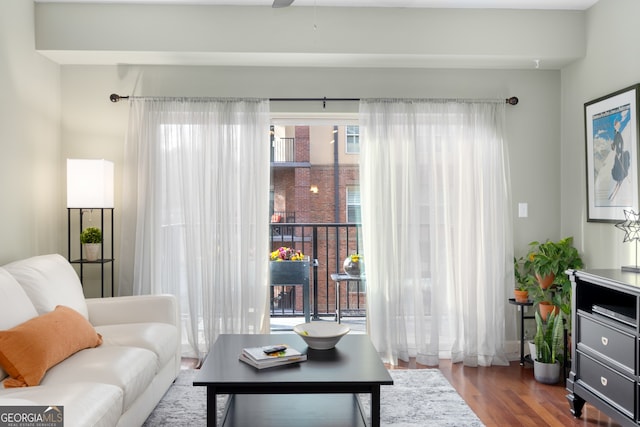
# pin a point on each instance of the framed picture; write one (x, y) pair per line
(611, 132)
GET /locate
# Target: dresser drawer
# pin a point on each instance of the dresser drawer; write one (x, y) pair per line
(617, 389)
(607, 341)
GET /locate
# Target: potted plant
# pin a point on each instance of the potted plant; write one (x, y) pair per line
(353, 265)
(548, 343)
(544, 300)
(524, 280)
(543, 260)
(549, 260)
(288, 266)
(552, 259)
(284, 253)
(91, 238)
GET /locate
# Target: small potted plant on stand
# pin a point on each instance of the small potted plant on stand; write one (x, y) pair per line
(524, 280)
(548, 343)
(91, 238)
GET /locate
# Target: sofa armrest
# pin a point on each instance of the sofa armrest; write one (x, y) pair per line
(133, 309)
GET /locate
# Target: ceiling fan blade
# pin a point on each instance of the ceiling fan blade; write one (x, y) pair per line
(281, 3)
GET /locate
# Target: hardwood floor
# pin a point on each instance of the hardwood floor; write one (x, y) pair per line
(510, 396)
(504, 396)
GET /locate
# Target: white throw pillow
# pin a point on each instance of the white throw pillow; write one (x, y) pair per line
(49, 280)
(15, 306)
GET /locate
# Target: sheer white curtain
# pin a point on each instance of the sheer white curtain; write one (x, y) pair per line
(436, 229)
(196, 211)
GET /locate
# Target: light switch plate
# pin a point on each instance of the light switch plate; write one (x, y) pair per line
(523, 210)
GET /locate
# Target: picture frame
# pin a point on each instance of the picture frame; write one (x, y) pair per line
(611, 134)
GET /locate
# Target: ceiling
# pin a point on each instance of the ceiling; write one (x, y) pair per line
(453, 4)
(311, 48)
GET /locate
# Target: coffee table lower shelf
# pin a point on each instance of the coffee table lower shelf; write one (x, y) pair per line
(294, 410)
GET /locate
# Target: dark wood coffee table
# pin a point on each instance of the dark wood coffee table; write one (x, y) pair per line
(319, 392)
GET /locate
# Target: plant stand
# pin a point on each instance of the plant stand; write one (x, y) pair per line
(520, 306)
(340, 277)
(102, 260)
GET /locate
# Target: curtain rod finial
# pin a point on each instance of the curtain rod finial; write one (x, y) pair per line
(513, 100)
(114, 97)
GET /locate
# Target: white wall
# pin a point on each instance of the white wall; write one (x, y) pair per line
(612, 62)
(31, 180)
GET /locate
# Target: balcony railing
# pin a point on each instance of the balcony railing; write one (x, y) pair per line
(283, 216)
(327, 245)
(279, 217)
(283, 150)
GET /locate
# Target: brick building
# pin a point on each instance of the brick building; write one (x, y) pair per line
(315, 180)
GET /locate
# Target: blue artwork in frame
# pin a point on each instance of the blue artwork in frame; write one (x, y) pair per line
(611, 133)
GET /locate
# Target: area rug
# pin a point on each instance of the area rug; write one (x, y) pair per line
(418, 397)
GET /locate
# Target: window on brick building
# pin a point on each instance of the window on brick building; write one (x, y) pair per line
(353, 204)
(353, 139)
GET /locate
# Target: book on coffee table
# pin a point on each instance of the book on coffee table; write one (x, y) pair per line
(257, 357)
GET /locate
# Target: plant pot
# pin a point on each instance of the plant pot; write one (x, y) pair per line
(545, 308)
(546, 373)
(521, 296)
(91, 251)
(352, 268)
(545, 281)
(289, 272)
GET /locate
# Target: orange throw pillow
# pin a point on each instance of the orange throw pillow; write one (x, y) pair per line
(28, 350)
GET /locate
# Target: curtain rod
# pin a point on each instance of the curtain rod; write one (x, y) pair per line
(115, 98)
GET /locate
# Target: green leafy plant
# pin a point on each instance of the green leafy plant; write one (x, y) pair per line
(91, 235)
(548, 339)
(553, 258)
(523, 275)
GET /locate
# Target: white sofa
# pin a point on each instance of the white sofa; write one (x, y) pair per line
(117, 383)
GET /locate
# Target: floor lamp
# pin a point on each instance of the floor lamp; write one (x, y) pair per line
(89, 184)
(89, 187)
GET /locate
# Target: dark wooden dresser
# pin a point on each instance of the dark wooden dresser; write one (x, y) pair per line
(605, 369)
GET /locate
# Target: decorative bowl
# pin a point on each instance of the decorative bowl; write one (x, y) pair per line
(321, 335)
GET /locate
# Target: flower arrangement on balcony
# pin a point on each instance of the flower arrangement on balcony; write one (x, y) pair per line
(286, 254)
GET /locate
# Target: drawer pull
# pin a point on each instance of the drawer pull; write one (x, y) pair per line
(605, 340)
(603, 381)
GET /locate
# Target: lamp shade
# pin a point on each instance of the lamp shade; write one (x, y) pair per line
(89, 183)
